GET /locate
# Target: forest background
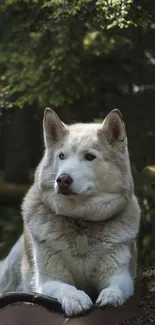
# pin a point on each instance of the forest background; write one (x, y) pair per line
(83, 58)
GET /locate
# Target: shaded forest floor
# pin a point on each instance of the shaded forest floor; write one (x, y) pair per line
(147, 300)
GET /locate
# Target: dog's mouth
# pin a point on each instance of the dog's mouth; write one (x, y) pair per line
(66, 192)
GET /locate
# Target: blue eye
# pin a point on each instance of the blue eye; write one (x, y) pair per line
(89, 156)
(62, 156)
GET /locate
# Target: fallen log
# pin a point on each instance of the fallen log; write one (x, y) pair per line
(18, 308)
(12, 193)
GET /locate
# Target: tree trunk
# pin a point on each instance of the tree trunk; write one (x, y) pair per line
(17, 158)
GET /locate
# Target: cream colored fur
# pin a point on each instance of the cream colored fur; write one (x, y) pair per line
(102, 205)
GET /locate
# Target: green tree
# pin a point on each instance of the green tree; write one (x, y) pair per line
(50, 51)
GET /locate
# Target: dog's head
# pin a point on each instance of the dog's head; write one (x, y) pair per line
(83, 161)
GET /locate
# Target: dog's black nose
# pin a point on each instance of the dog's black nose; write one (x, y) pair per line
(64, 181)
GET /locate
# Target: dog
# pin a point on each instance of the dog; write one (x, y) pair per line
(80, 217)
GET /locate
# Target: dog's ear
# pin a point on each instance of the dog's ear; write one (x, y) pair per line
(113, 127)
(54, 128)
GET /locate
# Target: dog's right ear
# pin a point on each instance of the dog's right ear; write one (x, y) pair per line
(54, 128)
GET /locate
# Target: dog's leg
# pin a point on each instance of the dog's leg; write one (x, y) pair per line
(73, 301)
(120, 288)
(54, 279)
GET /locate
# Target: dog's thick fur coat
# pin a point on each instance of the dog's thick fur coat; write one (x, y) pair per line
(78, 244)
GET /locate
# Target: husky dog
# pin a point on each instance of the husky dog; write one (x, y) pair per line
(81, 219)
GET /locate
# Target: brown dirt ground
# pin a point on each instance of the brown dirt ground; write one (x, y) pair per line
(147, 300)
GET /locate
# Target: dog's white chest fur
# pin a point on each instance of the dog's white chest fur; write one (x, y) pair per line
(83, 251)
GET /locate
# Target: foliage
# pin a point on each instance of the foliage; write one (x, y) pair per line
(145, 190)
(47, 47)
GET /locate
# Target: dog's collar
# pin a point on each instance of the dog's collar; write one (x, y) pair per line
(83, 224)
(80, 220)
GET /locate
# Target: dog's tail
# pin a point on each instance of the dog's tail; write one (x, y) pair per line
(10, 275)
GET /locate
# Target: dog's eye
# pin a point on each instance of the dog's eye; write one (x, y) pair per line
(62, 156)
(89, 156)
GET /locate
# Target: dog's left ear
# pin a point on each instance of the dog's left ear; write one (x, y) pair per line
(113, 127)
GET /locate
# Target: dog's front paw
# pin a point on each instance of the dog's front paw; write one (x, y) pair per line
(110, 296)
(75, 302)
